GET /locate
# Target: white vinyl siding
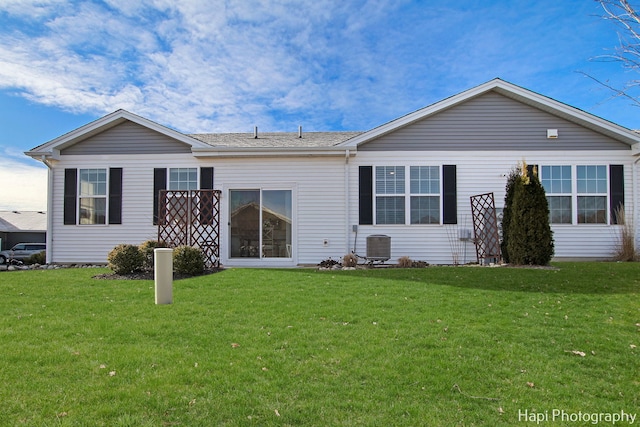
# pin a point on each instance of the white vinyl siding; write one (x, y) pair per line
(318, 202)
(481, 172)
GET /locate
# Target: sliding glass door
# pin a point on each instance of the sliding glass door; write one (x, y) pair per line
(260, 223)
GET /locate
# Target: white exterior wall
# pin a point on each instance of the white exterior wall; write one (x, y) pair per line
(484, 172)
(318, 197)
(318, 203)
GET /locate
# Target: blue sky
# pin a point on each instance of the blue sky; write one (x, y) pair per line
(226, 66)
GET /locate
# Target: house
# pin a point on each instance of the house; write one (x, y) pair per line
(286, 199)
(22, 227)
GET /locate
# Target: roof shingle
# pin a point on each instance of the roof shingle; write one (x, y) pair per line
(275, 139)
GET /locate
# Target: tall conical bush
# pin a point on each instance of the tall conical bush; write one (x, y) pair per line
(529, 235)
(512, 178)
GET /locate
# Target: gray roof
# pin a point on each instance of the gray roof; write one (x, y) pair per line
(21, 221)
(275, 139)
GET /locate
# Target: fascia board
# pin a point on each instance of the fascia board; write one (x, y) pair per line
(274, 152)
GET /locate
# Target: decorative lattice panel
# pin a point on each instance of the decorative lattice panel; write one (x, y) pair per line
(485, 227)
(192, 218)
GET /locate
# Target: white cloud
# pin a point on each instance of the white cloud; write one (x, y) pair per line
(24, 185)
(215, 65)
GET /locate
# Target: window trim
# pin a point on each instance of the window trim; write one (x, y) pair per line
(575, 195)
(80, 196)
(408, 195)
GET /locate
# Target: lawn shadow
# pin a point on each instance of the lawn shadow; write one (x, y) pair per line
(563, 278)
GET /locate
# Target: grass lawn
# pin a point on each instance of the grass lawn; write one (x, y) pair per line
(441, 346)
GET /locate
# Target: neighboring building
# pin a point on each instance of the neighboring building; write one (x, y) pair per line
(299, 198)
(22, 227)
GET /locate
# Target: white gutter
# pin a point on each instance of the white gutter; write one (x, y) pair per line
(271, 152)
(49, 238)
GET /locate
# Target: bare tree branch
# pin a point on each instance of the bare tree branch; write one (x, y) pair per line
(627, 18)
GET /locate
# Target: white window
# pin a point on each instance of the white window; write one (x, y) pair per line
(425, 194)
(183, 179)
(390, 195)
(592, 194)
(557, 183)
(92, 196)
(407, 198)
(576, 194)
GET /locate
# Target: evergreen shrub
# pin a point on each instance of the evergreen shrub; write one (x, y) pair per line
(529, 235)
(147, 248)
(188, 260)
(125, 259)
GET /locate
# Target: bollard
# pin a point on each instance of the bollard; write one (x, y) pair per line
(163, 274)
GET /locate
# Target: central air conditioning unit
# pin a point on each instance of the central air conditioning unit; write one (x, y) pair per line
(378, 247)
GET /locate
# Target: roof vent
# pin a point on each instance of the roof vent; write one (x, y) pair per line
(299, 131)
(255, 132)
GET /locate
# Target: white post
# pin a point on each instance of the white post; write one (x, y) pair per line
(163, 274)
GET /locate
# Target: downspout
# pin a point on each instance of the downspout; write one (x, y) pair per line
(50, 198)
(347, 197)
(636, 202)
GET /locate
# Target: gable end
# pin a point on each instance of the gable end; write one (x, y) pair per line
(127, 138)
(492, 122)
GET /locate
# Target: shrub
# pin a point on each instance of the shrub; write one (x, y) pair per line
(39, 258)
(125, 259)
(329, 263)
(529, 235)
(188, 260)
(512, 178)
(405, 262)
(625, 249)
(350, 260)
(147, 248)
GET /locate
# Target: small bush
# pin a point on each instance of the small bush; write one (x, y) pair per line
(350, 260)
(625, 249)
(419, 264)
(329, 263)
(188, 260)
(147, 248)
(405, 262)
(125, 259)
(39, 258)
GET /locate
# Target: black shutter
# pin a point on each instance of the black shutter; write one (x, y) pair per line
(449, 195)
(533, 170)
(159, 183)
(206, 178)
(115, 196)
(616, 190)
(365, 195)
(70, 196)
(206, 198)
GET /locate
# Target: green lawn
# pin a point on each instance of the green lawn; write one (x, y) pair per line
(441, 346)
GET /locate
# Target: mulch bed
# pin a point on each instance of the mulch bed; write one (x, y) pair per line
(148, 275)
